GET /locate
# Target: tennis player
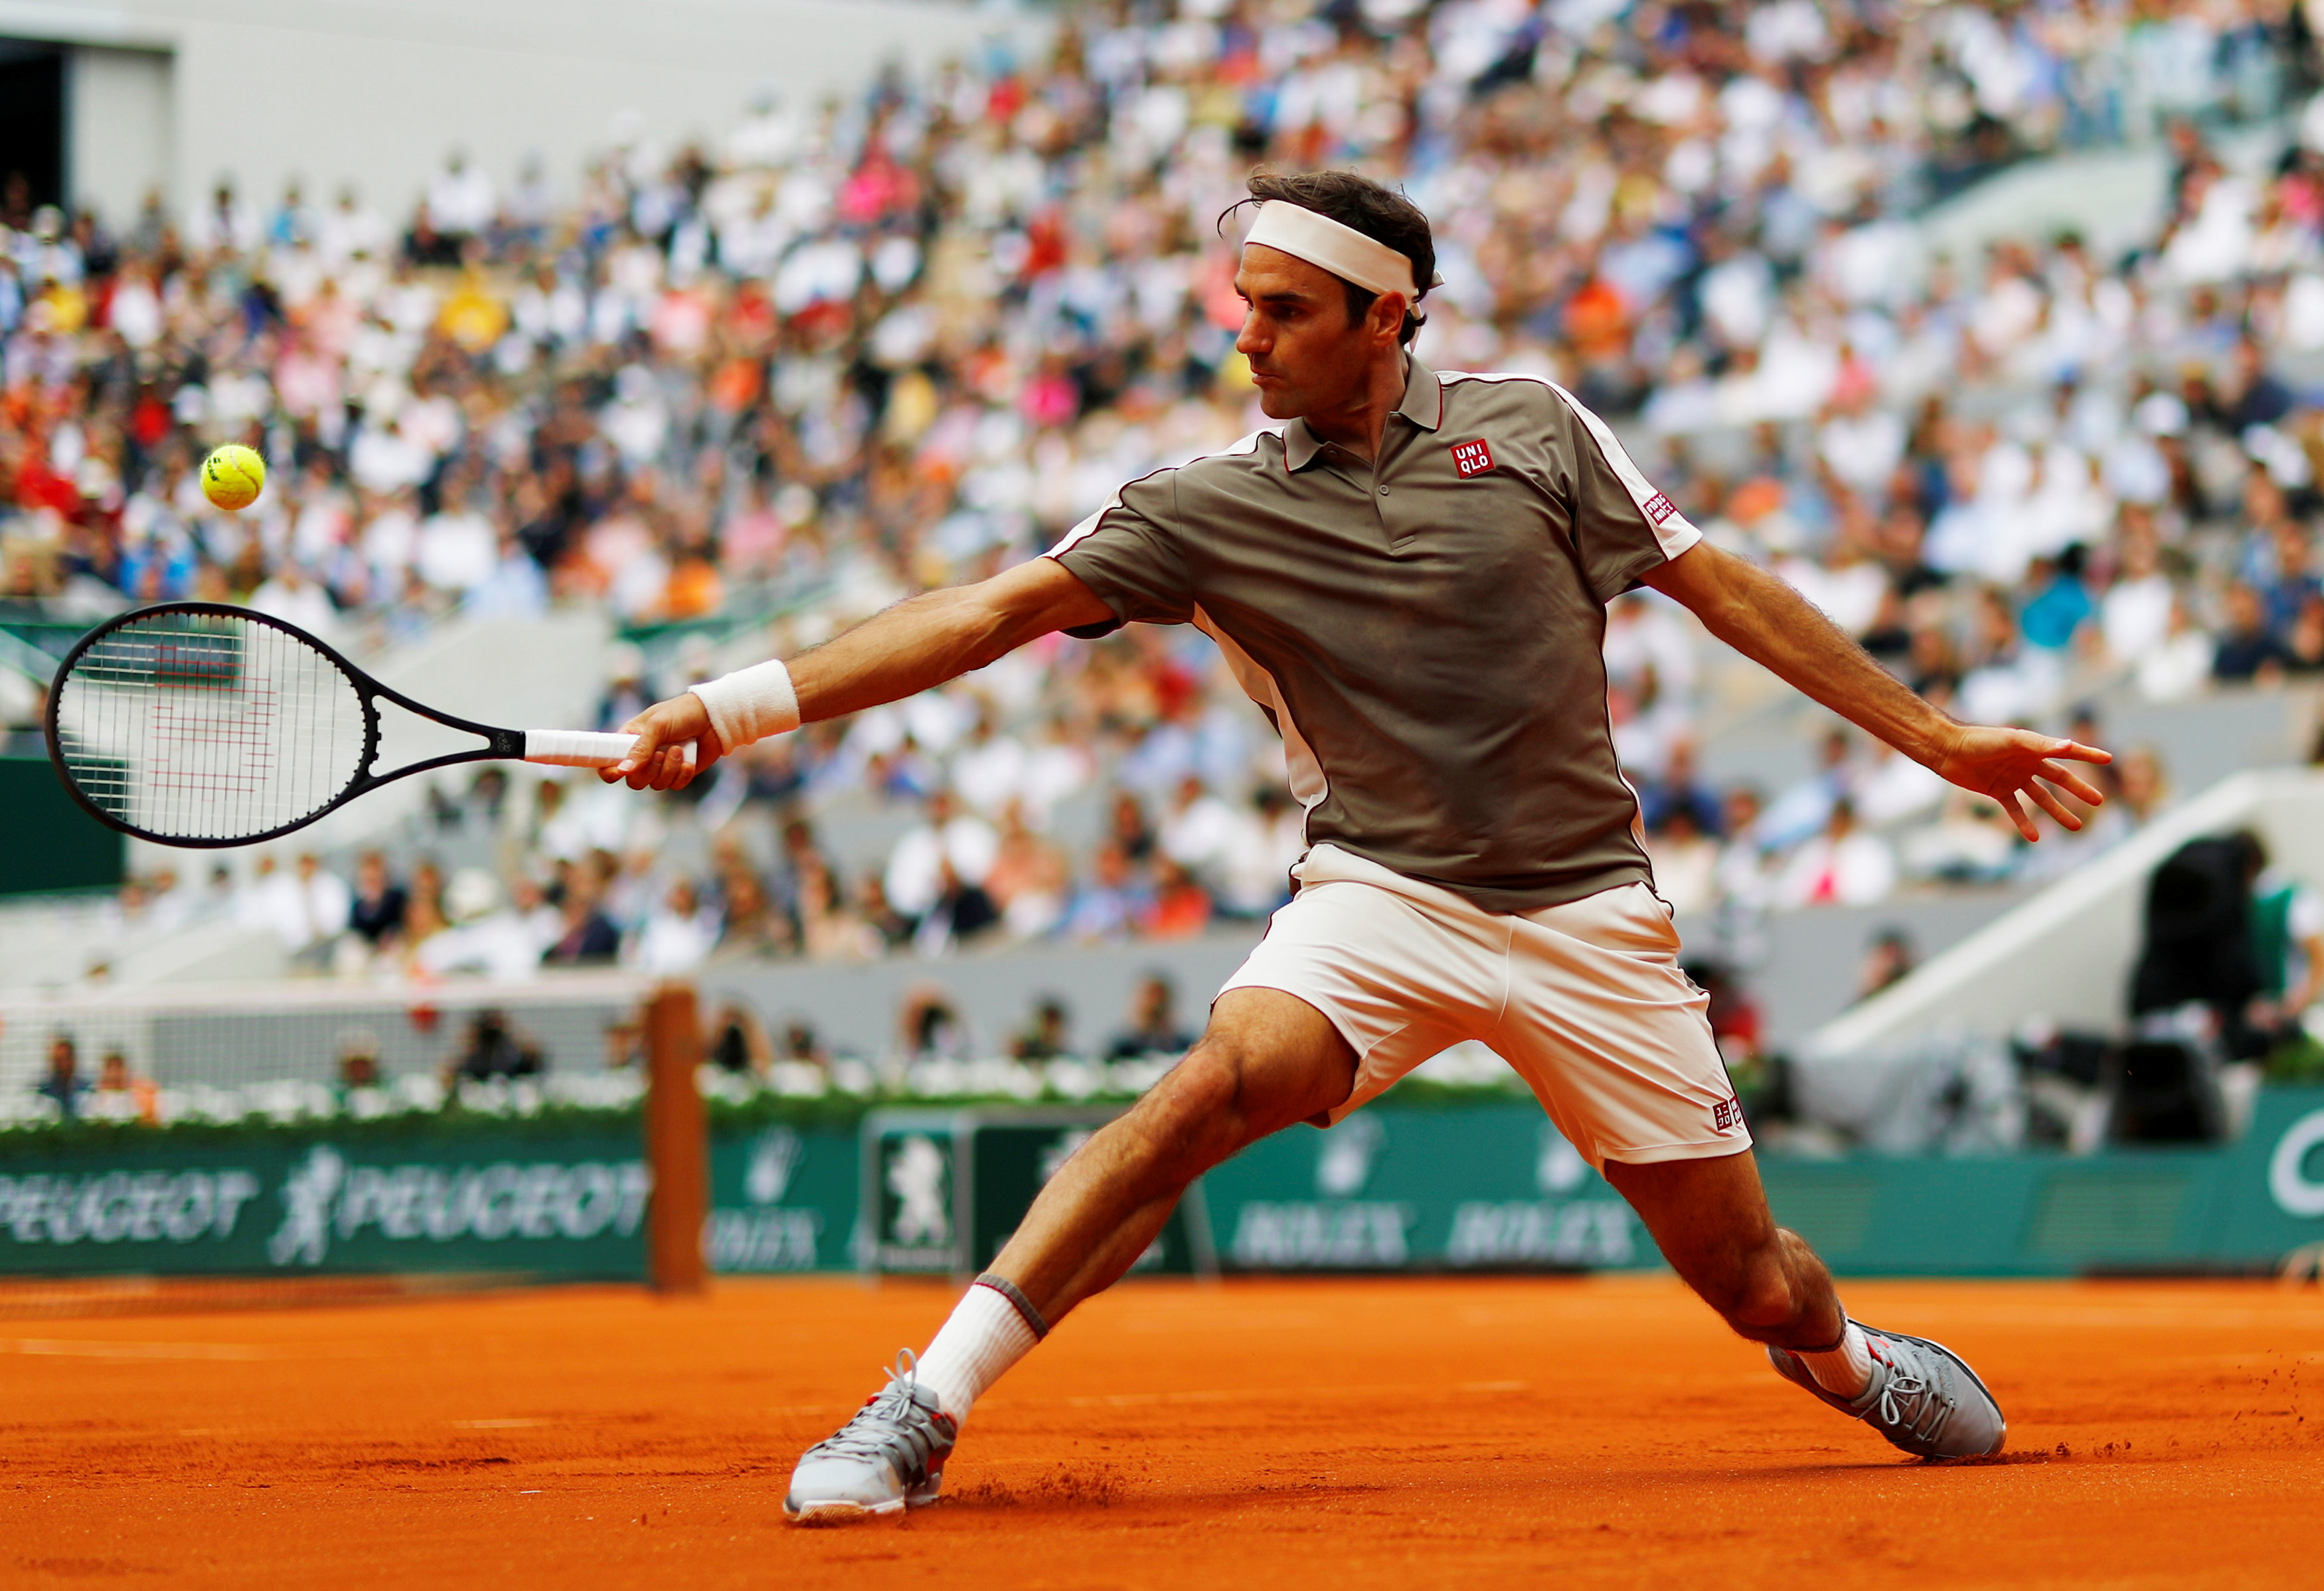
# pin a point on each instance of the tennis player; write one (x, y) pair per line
(1408, 572)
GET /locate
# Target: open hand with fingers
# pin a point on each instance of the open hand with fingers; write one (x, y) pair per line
(2015, 766)
(657, 760)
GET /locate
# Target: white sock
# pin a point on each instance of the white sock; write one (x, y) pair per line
(984, 1334)
(1845, 1369)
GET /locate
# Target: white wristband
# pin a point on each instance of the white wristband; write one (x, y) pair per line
(750, 704)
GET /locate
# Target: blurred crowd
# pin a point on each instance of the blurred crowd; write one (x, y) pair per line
(844, 353)
(582, 875)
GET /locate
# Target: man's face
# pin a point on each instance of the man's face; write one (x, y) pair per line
(1305, 357)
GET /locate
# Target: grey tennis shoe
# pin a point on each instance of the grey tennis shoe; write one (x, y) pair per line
(1923, 1397)
(888, 1457)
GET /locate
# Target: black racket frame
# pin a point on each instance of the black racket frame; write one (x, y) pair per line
(503, 744)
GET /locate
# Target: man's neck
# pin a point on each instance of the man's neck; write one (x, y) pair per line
(1357, 426)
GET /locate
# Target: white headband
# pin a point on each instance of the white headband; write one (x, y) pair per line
(1339, 249)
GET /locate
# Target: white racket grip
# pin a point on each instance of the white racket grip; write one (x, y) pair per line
(582, 748)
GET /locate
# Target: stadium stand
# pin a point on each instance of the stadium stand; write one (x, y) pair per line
(727, 399)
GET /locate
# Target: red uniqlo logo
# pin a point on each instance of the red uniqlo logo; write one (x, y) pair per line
(1660, 508)
(1471, 457)
(1725, 1114)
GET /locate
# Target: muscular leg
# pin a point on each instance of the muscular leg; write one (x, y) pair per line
(1266, 1061)
(1710, 1218)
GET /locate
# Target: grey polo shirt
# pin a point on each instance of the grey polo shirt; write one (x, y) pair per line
(1425, 631)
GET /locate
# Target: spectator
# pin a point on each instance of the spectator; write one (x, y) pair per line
(1685, 861)
(890, 927)
(120, 1089)
(1179, 907)
(948, 839)
(1843, 866)
(1893, 788)
(801, 853)
(2141, 785)
(1743, 860)
(2287, 920)
(496, 1049)
(1255, 876)
(1110, 902)
(2060, 606)
(802, 1047)
(1199, 831)
(586, 936)
(961, 912)
(2135, 614)
(680, 935)
(484, 936)
(1043, 1036)
(932, 1028)
(829, 930)
(1132, 837)
(64, 1084)
(2180, 666)
(1153, 1027)
(1681, 788)
(1889, 960)
(357, 1060)
(2246, 650)
(376, 913)
(1806, 807)
(988, 771)
(304, 908)
(736, 1041)
(1031, 877)
(1972, 841)
(2285, 579)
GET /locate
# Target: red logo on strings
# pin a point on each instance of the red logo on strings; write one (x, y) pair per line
(1471, 459)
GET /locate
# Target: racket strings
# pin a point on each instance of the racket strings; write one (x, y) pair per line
(209, 726)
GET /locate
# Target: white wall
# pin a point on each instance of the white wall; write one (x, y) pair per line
(376, 94)
(119, 137)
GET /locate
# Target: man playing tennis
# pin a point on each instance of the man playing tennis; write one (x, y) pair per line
(1408, 572)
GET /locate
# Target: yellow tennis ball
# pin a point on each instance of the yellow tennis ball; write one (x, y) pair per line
(233, 476)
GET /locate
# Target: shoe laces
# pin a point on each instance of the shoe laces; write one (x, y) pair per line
(893, 1423)
(1907, 1398)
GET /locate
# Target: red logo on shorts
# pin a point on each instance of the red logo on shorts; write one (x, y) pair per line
(1660, 508)
(1473, 458)
(1726, 1115)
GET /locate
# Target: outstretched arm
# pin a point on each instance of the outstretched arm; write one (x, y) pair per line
(1769, 623)
(917, 644)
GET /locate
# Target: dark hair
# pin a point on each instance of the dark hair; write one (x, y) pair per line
(1381, 214)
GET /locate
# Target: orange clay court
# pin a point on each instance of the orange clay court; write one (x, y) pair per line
(1456, 1432)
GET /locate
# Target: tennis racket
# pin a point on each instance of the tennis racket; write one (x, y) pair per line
(196, 724)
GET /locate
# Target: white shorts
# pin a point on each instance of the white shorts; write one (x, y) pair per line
(1585, 1000)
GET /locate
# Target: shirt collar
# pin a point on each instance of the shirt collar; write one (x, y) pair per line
(1423, 405)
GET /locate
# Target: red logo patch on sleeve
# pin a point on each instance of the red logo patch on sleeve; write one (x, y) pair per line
(1660, 508)
(1726, 1115)
(1472, 458)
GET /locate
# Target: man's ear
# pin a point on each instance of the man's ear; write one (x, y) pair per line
(1387, 312)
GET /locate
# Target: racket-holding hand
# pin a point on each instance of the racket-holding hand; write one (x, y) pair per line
(657, 760)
